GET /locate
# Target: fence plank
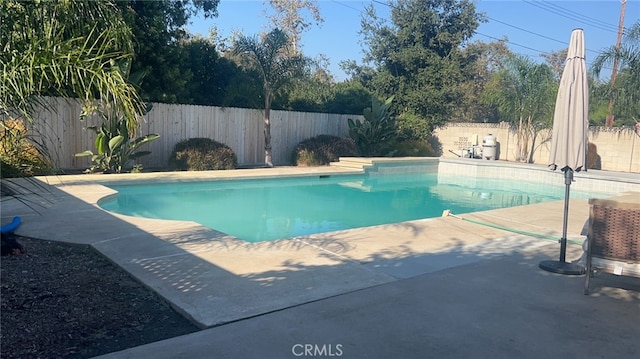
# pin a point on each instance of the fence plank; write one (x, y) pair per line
(241, 129)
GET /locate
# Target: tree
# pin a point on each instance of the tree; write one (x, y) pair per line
(627, 98)
(360, 73)
(556, 60)
(311, 91)
(270, 57)
(524, 95)
(598, 101)
(288, 17)
(625, 89)
(159, 45)
(243, 86)
(348, 97)
(417, 57)
(207, 75)
(479, 61)
(65, 48)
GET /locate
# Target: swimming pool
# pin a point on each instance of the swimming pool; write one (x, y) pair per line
(257, 210)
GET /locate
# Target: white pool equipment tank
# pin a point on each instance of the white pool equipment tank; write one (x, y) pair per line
(489, 147)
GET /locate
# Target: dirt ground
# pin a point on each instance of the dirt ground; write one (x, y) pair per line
(65, 300)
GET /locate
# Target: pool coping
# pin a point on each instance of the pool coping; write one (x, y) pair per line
(213, 278)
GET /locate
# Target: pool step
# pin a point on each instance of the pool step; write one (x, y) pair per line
(387, 165)
(353, 162)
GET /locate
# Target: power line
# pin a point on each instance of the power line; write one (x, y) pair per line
(515, 27)
(381, 3)
(587, 18)
(540, 5)
(519, 45)
(506, 24)
(345, 5)
(513, 43)
(536, 34)
(528, 31)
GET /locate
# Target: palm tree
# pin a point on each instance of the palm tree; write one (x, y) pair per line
(270, 56)
(79, 49)
(625, 87)
(64, 48)
(524, 93)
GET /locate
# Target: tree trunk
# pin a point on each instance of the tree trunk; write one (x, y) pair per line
(520, 138)
(267, 130)
(526, 135)
(534, 137)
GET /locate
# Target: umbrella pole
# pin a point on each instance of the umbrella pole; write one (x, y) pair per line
(568, 178)
(561, 266)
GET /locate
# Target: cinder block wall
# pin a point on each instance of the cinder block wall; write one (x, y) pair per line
(618, 148)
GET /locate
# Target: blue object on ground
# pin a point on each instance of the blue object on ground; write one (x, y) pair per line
(11, 226)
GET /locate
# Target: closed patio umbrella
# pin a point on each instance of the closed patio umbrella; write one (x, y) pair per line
(569, 137)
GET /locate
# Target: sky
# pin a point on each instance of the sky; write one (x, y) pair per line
(531, 26)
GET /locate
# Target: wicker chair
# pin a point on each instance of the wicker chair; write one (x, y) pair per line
(613, 239)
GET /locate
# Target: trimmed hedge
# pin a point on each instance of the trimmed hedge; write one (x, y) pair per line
(202, 154)
(322, 150)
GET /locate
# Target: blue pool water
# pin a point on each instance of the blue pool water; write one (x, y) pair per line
(268, 209)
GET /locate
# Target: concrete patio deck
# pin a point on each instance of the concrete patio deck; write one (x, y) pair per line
(441, 287)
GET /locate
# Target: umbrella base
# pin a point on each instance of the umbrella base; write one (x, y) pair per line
(562, 267)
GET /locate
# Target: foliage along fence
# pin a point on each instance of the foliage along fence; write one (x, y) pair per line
(612, 149)
(63, 134)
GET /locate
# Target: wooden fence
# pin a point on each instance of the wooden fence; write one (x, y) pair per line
(63, 134)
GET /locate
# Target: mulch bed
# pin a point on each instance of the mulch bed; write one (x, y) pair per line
(66, 300)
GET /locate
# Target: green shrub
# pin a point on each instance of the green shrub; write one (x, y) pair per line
(19, 156)
(377, 132)
(115, 149)
(413, 149)
(413, 127)
(202, 154)
(323, 149)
